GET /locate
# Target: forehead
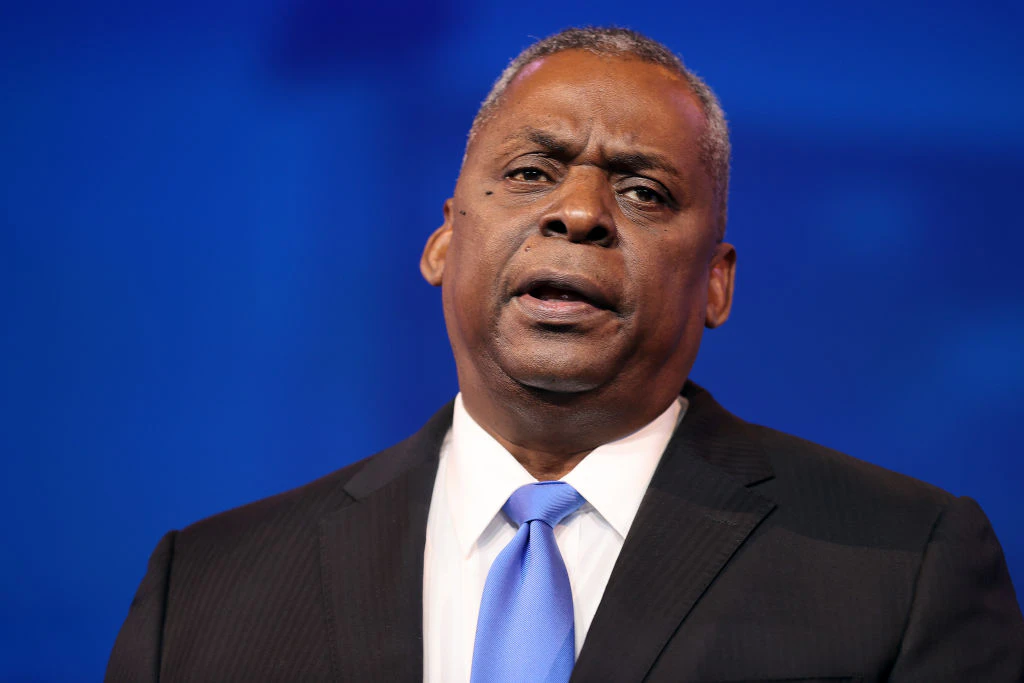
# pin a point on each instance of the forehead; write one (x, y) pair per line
(621, 100)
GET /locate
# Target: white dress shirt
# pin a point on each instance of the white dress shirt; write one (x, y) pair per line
(466, 529)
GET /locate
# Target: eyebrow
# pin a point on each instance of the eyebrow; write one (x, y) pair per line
(631, 161)
(550, 142)
(641, 161)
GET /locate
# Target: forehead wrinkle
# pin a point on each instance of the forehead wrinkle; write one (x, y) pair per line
(559, 146)
(556, 144)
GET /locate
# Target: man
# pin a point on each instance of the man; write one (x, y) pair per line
(580, 258)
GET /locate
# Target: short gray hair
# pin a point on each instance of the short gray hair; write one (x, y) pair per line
(621, 42)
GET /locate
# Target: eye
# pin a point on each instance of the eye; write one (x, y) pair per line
(644, 195)
(529, 175)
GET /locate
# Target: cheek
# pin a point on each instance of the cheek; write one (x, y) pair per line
(475, 274)
(486, 240)
(670, 288)
(670, 274)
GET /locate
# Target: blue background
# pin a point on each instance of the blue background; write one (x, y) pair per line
(213, 214)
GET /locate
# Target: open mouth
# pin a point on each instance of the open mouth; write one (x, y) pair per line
(562, 292)
(547, 292)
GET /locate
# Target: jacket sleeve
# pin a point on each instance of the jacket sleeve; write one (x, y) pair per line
(965, 623)
(137, 650)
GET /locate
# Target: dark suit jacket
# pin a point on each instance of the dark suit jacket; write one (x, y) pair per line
(755, 556)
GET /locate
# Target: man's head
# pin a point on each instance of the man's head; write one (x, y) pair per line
(581, 254)
(617, 42)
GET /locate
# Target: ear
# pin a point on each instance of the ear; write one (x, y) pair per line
(720, 282)
(435, 253)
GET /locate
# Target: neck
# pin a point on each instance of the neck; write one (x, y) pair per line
(542, 465)
(550, 433)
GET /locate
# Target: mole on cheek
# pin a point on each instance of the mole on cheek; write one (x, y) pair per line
(462, 213)
(488, 192)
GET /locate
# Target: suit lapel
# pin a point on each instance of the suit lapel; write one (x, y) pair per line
(695, 515)
(371, 553)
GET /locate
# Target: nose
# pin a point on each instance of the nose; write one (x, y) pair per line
(580, 210)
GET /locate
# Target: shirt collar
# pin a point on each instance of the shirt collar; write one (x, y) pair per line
(481, 475)
(613, 478)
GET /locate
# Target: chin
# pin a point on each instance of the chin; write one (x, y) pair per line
(558, 384)
(564, 375)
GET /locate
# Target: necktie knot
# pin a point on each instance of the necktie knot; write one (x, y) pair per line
(547, 501)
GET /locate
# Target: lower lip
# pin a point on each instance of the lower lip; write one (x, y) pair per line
(558, 310)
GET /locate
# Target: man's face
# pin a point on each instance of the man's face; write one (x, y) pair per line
(579, 252)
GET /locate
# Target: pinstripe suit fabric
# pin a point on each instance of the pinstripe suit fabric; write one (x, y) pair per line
(755, 556)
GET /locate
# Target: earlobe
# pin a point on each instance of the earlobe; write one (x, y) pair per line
(720, 285)
(435, 253)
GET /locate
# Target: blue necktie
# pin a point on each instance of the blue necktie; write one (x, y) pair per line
(525, 631)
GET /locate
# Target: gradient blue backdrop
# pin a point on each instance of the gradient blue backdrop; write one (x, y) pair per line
(213, 213)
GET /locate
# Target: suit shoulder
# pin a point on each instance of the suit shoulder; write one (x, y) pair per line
(801, 466)
(792, 455)
(301, 508)
(828, 494)
(303, 503)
